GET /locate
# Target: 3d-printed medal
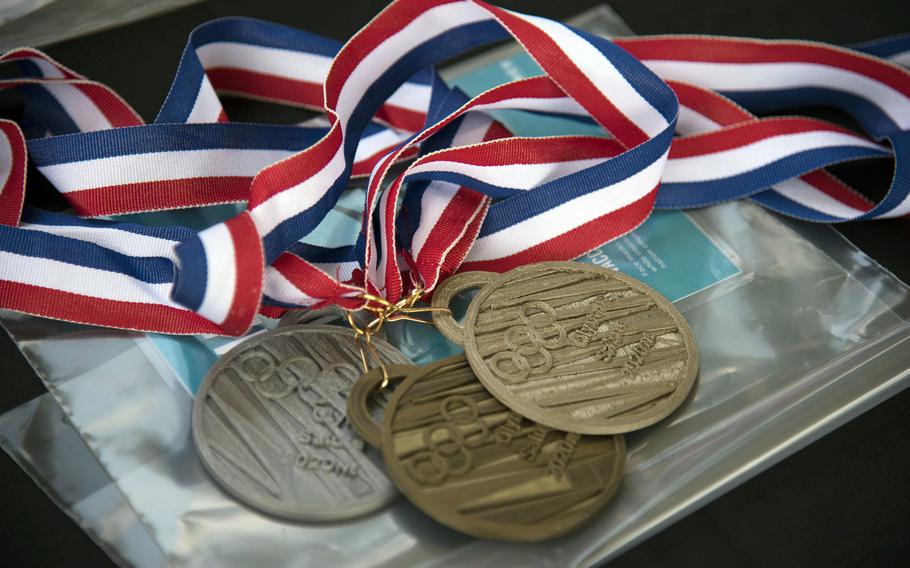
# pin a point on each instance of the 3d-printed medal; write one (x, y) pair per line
(270, 425)
(574, 346)
(476, 466)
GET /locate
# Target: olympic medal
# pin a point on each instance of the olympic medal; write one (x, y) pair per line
(474, 465)
(574, 346)
(270, 426)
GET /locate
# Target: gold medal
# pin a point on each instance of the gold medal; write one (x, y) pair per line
(478, 467)
(573, 346)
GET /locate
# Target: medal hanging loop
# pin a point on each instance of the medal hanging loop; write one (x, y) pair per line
(386, 311)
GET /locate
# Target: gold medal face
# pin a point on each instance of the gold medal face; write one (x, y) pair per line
(576, 347)
(474, 465)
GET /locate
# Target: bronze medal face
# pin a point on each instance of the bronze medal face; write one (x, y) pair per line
(362, 414)
(576, 347)
(478, 467)
(270, 426)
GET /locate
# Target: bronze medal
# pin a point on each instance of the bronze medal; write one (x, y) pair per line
(574, 346)
(362, 418)
(478, 467)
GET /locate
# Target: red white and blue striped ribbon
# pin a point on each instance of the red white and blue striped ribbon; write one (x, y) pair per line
(474, 197)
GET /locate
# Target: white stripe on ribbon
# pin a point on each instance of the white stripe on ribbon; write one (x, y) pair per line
(432, 204)
(902, 58)
(559, 105)
(432, 23)
(370, 145)
(6, 159)
(412, 96)
(612, 85)
(340, 271)
(142, 168)
(691, 122)
(297, 199)
(124, 242)
(221, 280)
(513, 176)
(48, 69)
(93, 282)
(733, 77)
(743, 159)
(81, 110)
(567, 216)
(378, 265)
(296, 65)
(207, 107)
(280, 289)
(807, 195)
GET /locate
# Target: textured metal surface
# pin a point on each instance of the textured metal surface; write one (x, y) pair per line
(472, 464)
(327, 315)
(269, 425)
(579, 348)
(362, 414)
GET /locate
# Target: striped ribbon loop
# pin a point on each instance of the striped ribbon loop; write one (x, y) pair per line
(469, 197)
(190, 156)
(736, 155)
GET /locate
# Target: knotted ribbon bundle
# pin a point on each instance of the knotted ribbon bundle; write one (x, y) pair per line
(466, 195)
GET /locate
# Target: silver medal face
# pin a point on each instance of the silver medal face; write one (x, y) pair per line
(270, 425)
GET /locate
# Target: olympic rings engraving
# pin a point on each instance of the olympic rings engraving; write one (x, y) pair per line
(451, 456)
(529, 344)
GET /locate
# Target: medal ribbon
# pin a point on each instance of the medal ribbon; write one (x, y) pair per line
(474, 197)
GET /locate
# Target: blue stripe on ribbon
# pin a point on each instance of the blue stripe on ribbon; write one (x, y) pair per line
(263, 34)
(170, 138)
(41, 217)
(429, 53)
(45, 108)
(646, 83)
(189, 285)
(872, 118)
(152, 270)
(777, 202)
(885, 47)
(702, 193)
(181, 99)
(324, 255)
(511, 211)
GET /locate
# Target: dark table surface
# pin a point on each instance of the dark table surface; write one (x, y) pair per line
(842, 501)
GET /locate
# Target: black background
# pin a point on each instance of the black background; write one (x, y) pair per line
(843, 501)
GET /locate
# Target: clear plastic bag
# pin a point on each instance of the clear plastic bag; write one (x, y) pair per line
(798, 332)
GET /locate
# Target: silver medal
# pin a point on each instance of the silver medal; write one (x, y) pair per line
(270, 425)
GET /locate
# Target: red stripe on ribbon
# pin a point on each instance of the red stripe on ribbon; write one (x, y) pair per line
(249, 275)
(577, 241)
(735, 50)
(114, 109)
(90, 310)
(387, 23)
(296, 169)
(559, 65)
(509, 151)
(159, 195)
(12, 194)
(741, 134)
(266, 87)
(315, 283)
